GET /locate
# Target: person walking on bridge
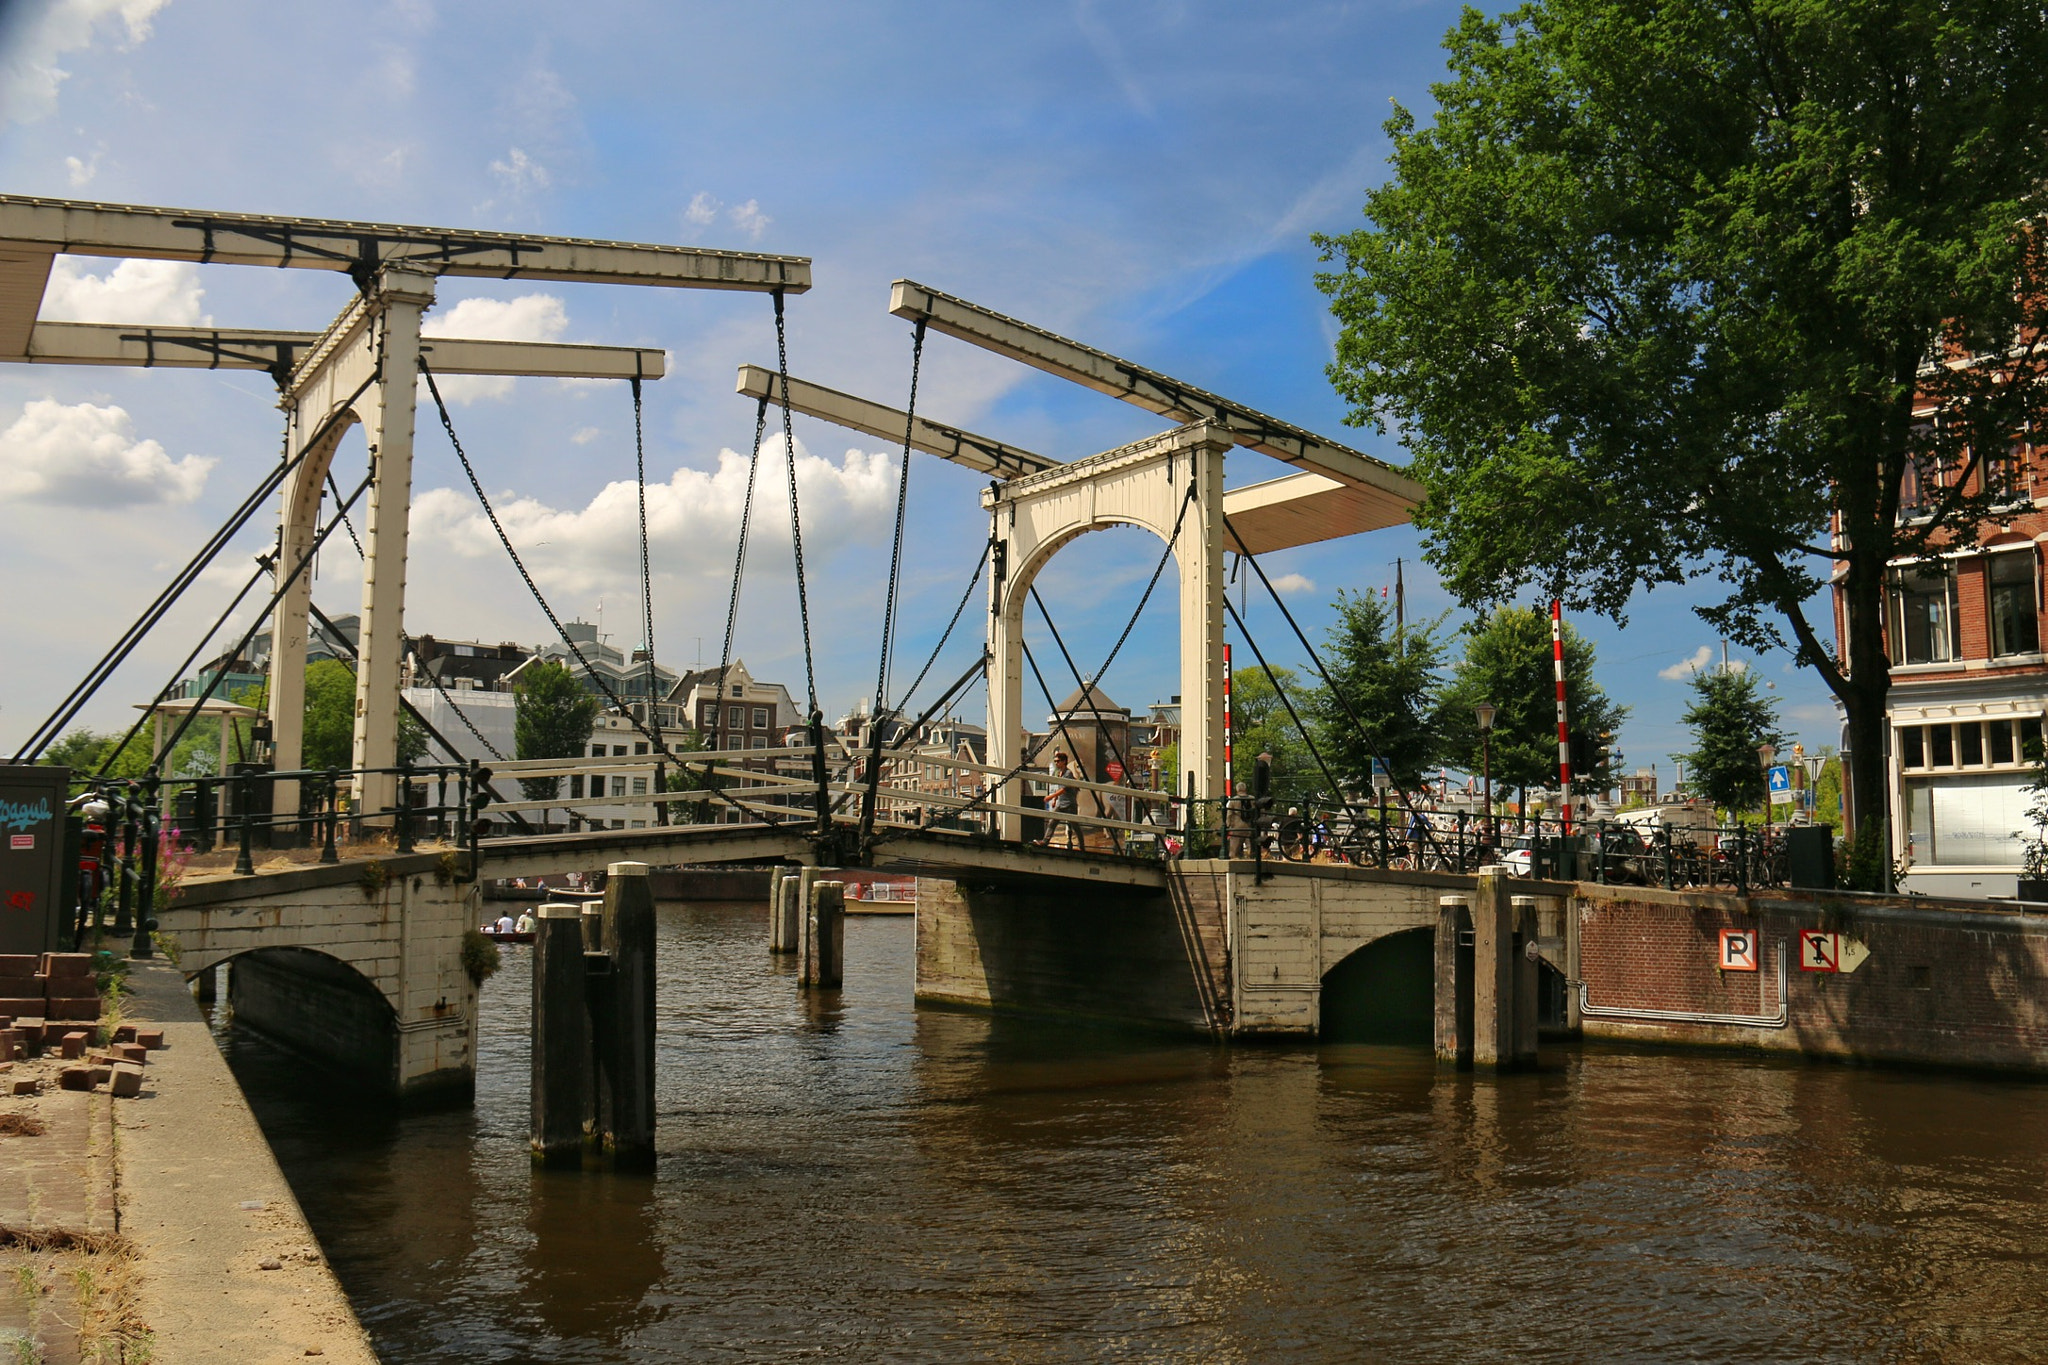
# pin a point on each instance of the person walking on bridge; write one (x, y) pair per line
(1062, 800)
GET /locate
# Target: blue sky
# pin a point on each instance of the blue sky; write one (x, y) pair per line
(1142, 176)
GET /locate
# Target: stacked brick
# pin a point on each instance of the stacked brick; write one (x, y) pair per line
(50, 1004)
(49, 986)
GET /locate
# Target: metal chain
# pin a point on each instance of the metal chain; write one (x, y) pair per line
(974, 578)
(448, 425)
(347, 525)
(739, 563)
(796, 529)
(902, 505)
(646, 572)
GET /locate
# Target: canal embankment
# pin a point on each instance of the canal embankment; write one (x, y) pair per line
(225, 1267)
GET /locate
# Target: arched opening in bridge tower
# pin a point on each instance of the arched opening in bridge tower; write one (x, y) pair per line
(1383, 993)
(319, 1007)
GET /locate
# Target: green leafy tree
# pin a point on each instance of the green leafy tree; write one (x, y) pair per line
(1827, 790)
(1655, 297)
(1508, 663)
(1731, 717)
(553, 719)
(1390, 676)
(329, 735)
(1259, 723)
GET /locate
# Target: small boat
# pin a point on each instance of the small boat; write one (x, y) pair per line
(508, 935)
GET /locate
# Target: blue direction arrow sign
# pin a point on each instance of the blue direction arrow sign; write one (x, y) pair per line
(1781, 785)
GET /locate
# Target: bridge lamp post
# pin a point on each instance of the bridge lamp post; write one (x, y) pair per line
(1485, 712)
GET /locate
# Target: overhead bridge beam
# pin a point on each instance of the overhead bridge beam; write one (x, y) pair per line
(858, 414)
(1380, 486)
(227, 348)
(33, 232)
(1298, 509)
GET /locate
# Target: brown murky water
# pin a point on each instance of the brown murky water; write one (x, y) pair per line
(857, 1180)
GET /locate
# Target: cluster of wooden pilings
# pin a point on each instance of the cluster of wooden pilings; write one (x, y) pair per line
(593, 1026)
(807, 917)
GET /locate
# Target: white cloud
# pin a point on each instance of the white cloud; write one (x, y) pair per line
(703, 209)
(691, 521)
(79, 455)
(1294, 584)
(1691, 663)
(520, 174)
(30, 75)
(749, 219)
(529, 317)
(81, 172)
(166, 293)
(585, 435)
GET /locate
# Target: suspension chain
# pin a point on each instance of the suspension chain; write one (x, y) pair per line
(739, 563)
(796, 529)
(448, 425)
(902, 505)
(973, 578)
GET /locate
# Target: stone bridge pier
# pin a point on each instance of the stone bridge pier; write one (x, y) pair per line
(357, 966)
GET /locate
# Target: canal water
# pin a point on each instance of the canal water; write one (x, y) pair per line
(853, 1179)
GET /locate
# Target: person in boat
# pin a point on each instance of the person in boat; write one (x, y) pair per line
(525, 925)
(505, 925)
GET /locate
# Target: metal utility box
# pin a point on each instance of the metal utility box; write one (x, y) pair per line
(33, 877)
(1810, 856)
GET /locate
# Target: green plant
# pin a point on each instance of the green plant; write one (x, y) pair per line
(373, 879)
(480, 956)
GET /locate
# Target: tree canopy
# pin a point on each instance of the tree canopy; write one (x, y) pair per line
(1731, 718)
(1508, 663)
(1657, 293)
(1389, 675)
(553, 719)
(1259, 724)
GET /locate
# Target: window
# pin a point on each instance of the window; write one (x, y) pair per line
(735, 717)
(710, 714)
(1966, 820)
(618, 787)
(618, 751)
(1941, 747)
(738, 690)
(575, 785)
(760, 718)
(1923, 615)
(597, 751)
(1970, 738)
(1920, 483)
(639, 786)
(2015, 623)
(760, 741)
(640, 748)
(2001, 741)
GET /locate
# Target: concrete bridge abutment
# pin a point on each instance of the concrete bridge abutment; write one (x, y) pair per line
(357, 966)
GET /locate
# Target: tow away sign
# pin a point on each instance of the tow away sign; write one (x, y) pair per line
(1820, 951)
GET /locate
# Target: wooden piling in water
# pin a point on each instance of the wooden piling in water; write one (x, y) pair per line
(629, 940)
(778, 939)
(561, 1036)
(825, 937)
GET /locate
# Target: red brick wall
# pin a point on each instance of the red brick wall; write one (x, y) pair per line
(1941, 986)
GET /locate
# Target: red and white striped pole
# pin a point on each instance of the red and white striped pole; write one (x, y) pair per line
(1564, 734)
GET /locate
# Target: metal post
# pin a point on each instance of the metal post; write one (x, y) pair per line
(245, 865)
(441, 803)
(125, 902)
(1742, 860)
(1486, 767)
(1600, 853)
(404, 807)
(660, 787)
(1383, 828)
(145, 907)
(333, 799)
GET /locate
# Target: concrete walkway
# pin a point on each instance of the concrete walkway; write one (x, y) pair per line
(206, 1208)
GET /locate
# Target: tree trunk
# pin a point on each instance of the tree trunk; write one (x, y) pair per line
(1863, 697)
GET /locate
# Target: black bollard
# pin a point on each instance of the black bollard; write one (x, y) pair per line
(628, 1118)
(561, 1037)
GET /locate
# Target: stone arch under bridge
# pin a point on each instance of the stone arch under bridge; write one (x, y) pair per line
(398, 928)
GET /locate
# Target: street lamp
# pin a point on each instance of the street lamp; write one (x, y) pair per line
(1485, 712)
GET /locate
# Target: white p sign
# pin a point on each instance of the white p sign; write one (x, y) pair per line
(1738, 950)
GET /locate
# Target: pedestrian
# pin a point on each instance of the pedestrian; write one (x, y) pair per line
(1062, 799)
(1237, 822)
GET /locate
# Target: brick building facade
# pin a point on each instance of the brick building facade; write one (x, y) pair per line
(1969, 688)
